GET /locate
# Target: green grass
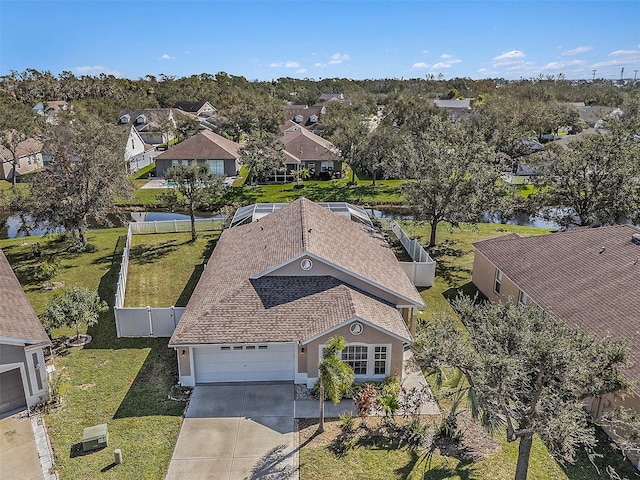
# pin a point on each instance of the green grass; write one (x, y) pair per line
(454, 254)
(152, 256)
(121, 382)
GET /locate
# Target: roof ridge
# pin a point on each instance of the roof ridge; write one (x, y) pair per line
(303, 224)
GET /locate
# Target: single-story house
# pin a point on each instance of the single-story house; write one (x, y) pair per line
(23, 375)
(588, 277)
(30, 158)
(305, 149)
(218, 153)
(277, 289)
(456, 108)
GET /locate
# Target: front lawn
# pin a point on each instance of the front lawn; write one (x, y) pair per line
(121, 382)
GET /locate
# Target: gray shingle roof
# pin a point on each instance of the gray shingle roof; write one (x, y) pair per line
(566, 274)
(18, 320)
(305, 145)
(205, 145)
(233, 301)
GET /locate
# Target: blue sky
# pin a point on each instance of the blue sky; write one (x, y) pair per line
(322, 39)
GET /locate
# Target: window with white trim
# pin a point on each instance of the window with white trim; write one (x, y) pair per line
(523, 299)
(216, 167)
(498, 281)
(356, 357)
(367, 360)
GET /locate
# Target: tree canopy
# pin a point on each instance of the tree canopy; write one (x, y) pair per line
(335, 376)
(74, 307)
(86, 173)
(194, 187)
(525, 371)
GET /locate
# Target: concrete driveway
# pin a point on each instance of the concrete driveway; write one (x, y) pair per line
(237, 432)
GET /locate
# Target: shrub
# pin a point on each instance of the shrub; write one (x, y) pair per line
(366, 401)
(347, 421)
(416, 434)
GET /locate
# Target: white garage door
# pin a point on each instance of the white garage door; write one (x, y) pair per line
(11, 391)
(244, 363)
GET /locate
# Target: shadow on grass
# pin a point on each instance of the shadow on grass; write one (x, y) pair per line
(190, 286)
(606, 454)
(148, 394)
(468, 289)
(145, 254)
(76, 450)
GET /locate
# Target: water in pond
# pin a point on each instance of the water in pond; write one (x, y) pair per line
(12, 226)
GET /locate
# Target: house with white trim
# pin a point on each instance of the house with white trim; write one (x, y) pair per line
(23, 376)
(275, 290)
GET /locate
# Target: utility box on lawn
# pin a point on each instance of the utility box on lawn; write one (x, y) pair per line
(95, 437)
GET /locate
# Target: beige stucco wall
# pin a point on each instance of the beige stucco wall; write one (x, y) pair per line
(309, 361)
(484, 273)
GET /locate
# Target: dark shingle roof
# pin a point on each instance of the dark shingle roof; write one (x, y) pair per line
(235, 301)
(566, 274)
(18, 320)
(205, 145)
(190, 107)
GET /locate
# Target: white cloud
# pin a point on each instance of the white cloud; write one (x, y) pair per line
(486, 71)
(577, 51)
(187, 52)
(167, 57)
(320, 65)
(512, 55)
(288, 64)
(559, 65)
(302, 70)
(441, 65)
(619, 53)
(425, 51)
(339, 57)
(446, 55)
(611, 63)
(95, 70)
(421, 65)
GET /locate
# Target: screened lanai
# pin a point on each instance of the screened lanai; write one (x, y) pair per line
(254, 212)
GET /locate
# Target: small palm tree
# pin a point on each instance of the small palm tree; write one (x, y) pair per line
(335, 376)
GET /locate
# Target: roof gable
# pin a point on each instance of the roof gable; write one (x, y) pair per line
(305, 145)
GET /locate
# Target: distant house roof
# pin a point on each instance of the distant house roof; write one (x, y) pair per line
(332, 97)
(240, 298)
(303, 114)
(191, 107)
(305, 145)
(145, 120)
(588, 277)
(29, 147)
(205, 145)
(18, 320)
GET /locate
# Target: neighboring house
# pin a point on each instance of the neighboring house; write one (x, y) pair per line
(456, 108)
(305, 149)
(137, 153)
(51, 110)
(23, 376)
(332, 97)
(588, 277)
(304, 115)
(30, 158)
(276, 290)
(155, 125)
(200, 109)
(218, 153)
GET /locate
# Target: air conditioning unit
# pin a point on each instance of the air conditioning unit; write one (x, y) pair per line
(95, 437)
(635, 238)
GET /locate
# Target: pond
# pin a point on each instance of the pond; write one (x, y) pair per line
(13, 226)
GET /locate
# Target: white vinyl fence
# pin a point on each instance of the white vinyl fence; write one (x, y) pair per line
(147, 321)
(422, 271)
